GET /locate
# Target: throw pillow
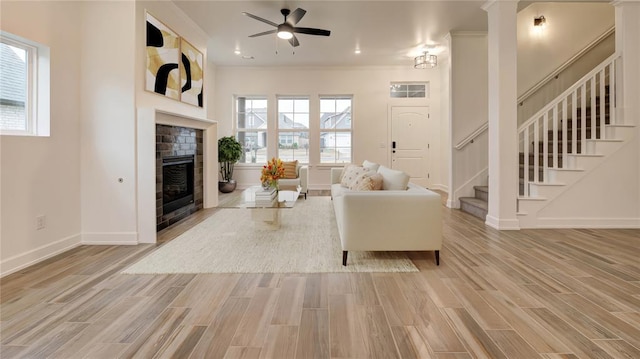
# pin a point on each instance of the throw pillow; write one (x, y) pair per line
(362, 184)
(370, 165)
(376, 181)
(290, 169)
(393, 180)
(351, 175)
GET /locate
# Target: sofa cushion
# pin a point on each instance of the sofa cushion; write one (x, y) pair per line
(290, 169)
(353, 174)
(370, 165)
(393, 180)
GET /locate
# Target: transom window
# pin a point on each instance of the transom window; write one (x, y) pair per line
(293, 129)
(252, 128)
(24, 89)
(335, 130)
(408, 90)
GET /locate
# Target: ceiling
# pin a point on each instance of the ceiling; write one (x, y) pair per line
(388, 33)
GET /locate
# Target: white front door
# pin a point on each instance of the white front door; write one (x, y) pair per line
(409, 142)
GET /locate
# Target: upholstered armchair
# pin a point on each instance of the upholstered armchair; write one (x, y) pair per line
(301, 179)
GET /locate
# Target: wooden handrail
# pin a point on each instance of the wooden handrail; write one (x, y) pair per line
(472, 136)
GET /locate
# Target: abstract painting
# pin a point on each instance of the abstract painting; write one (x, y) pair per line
(163, 55)
(191, 74)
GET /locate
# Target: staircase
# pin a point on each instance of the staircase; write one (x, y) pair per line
(562, 143)
(477, 206)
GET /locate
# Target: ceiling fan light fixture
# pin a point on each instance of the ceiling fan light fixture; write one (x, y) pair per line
(286, 35)
(425, 61)
(285, 31)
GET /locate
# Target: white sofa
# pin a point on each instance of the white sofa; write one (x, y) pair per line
(387, 220)
(302, 180)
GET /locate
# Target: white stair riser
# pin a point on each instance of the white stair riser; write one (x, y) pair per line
(583, 162)
(560, 176)
(602, 147)
(618, 132)
(546, 191)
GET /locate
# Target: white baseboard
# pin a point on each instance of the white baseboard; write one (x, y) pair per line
(502, 224)
(115, 238)
(451, 203)
(440, 187)
(588, 223)
(20, 261)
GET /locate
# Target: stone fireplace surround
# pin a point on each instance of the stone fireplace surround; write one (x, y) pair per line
(147, 120)
(177, 141)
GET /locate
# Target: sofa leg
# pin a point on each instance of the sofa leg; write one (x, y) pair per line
(305, 195)
(437, 258)
(344, 258)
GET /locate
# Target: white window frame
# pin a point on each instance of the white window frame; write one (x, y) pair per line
(237, 130)
(405, 93)
(37, 112)
(335, 131)
(292, 130)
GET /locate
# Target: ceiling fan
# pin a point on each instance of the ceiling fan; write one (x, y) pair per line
(287, 29)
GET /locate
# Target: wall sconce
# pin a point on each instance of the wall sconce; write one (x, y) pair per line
(425, 61)
(539, 21)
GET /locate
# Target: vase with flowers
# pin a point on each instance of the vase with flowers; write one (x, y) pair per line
(271, 172)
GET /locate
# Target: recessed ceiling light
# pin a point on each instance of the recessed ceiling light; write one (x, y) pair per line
(245, 57)
(237, 52)
(357, 51)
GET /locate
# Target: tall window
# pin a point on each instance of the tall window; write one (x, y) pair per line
(335, 130)
(24, 89)
(251, 128)
(293, 129)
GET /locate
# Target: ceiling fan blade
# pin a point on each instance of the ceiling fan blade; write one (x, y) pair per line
(294, 41)
(296, 16)
(311, 31)
(264, 33)
(260, 19)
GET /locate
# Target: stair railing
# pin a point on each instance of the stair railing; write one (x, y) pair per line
(548, 137)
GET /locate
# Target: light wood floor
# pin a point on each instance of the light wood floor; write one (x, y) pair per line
(522, 294)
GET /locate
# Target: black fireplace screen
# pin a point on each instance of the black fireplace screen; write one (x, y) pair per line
(177, 182)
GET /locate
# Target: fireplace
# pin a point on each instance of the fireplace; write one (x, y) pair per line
(179, 174)
(177, 182)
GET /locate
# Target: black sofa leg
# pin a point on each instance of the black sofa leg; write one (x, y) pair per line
(344, 258)
(437, 258)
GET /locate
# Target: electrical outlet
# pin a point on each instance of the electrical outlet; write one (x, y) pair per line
(41, 222)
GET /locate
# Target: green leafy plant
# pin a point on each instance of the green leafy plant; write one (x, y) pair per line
(229, 152)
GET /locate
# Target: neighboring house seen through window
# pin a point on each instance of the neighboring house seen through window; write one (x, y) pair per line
(335, 130)
(24, 86)
(251, 128)
(293, 129)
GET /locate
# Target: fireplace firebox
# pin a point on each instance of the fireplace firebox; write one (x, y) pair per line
(177, 182)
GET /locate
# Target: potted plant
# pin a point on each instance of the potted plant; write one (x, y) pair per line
(229, 152)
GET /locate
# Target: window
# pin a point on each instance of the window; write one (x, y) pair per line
(24, 89)
(408, 90)
(251, 128)
(335, 130)
(293, 129)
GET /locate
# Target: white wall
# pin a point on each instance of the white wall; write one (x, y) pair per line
(108, 124)
(569, 28)
(41, 175)
(469, 111)
(371, 103)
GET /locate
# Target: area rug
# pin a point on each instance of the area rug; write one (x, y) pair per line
(229, 242)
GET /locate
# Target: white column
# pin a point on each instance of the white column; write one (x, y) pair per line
(628, 46)
(503, 143)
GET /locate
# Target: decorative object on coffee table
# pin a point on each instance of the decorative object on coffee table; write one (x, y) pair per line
(271, 173)
(229, 152)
